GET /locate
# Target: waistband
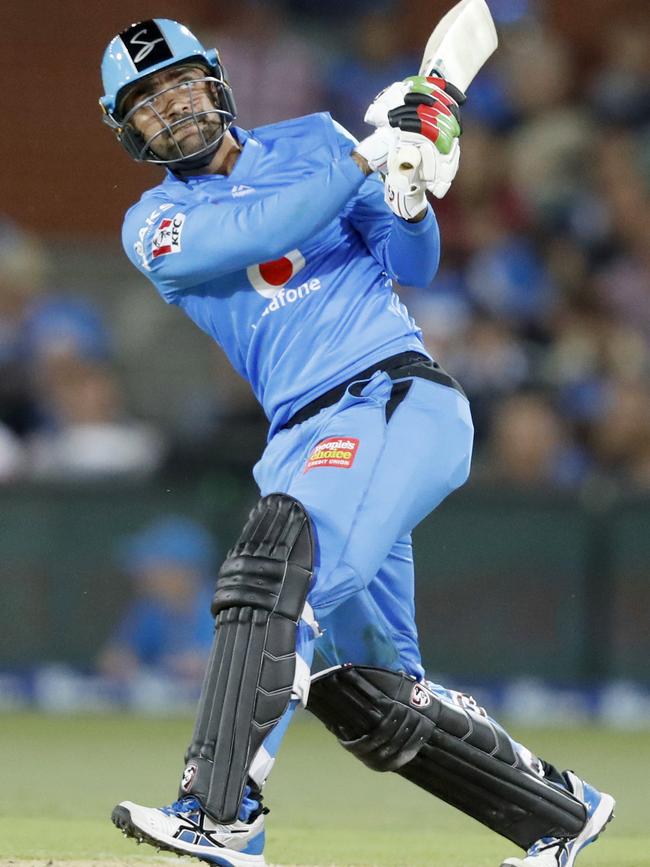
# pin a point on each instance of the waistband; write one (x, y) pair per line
(401, 366)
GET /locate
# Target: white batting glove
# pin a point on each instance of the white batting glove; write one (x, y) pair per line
(404, 188)
(376, 147)
(435, 169)
(390, 97)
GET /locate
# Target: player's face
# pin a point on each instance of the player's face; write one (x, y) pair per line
(174, 111)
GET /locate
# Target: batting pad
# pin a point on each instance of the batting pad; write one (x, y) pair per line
(260, 595)
(392, 722)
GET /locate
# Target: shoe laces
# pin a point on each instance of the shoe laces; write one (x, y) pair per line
(188, 804)
(546, 843)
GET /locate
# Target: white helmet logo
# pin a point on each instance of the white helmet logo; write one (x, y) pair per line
(268, 278)
(147, 47)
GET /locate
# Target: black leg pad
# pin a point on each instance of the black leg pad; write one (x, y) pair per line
(260, 596)
(393, 723)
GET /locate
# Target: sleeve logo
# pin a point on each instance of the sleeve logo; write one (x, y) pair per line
(334, 452)
(167, 237)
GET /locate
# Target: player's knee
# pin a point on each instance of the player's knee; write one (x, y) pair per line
(269, 567)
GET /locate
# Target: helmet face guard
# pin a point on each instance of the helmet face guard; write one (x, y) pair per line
(143, 50)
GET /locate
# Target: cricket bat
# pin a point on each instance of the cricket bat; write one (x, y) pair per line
(460, 44)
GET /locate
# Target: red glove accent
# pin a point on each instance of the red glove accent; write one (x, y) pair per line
(444, 98)
(428, 114)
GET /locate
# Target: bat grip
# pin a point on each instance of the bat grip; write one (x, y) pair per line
(408, 158)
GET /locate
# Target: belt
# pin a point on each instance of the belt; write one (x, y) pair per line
(404, 365)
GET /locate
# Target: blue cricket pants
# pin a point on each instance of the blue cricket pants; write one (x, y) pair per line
(365, 482)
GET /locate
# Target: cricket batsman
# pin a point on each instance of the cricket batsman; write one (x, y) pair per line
(283, 243)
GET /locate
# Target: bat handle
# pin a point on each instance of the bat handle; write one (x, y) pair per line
(408, 158)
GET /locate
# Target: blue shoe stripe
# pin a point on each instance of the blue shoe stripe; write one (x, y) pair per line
(255, 846)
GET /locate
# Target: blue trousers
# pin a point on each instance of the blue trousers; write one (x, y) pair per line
(366, 475)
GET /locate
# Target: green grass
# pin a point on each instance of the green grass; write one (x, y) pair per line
(61, 777)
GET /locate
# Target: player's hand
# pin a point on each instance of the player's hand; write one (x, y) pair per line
(435, 170)
(404, 188)
(390, 97)
(376, 147)
(431, 108)
(435, 98)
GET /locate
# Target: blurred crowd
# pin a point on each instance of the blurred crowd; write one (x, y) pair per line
(62, 412)
(166, 627)
(541, 307)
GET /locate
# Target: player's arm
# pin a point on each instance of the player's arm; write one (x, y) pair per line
(215, 239)
(408, 251)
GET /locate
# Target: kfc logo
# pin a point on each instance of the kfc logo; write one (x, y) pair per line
(167, 237)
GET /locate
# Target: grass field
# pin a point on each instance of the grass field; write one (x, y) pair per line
(61, 776)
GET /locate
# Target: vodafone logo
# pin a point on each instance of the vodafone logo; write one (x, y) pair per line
(270, 277)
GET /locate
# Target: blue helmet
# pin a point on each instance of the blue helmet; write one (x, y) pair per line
(146, 48)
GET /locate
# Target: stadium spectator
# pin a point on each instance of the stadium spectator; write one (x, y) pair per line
(88, 435)
(530, 446)
(273, 68)
(84, 430)
(167, 628)
(23, 267)
(621, 436)
(374, 56)
(12, 457)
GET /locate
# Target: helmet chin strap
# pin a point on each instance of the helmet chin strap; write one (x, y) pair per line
(199, 161)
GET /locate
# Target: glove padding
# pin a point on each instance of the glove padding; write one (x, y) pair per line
(426, 105)
(376, 147)
(390, 97)
(416, 158)
(404, 189)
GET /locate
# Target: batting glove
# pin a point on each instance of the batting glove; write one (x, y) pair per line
(390, 97)
(404, 189)
(430, 108)
(375, 148)
(436, 170)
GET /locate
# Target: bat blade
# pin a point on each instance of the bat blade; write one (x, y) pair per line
(461, 43)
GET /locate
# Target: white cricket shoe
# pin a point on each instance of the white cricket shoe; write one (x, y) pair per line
(554, 852)
(186, 829)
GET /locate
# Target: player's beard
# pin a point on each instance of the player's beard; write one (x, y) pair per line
(190, 136)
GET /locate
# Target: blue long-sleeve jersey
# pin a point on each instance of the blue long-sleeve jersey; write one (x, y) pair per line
(288, 261)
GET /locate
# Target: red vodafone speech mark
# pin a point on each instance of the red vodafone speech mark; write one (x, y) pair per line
(277, 272)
